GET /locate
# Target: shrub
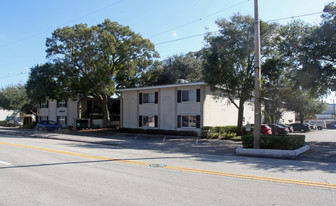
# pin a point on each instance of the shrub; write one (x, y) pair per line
(3, 123)
(284, 142)
(220, 132)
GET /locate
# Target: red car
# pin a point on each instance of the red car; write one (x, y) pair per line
(265, 129)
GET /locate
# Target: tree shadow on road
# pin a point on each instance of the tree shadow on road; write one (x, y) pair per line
(321, 157)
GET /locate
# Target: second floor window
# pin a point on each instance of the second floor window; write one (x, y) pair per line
(188, 96)
(62, 104)
(148, 98)
(44, 104)
(193, 95)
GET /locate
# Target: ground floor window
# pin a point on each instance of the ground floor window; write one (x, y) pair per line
(62, 120)
(148, 121)
(188, 121)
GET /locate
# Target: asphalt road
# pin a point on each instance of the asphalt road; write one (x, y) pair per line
(42, 171)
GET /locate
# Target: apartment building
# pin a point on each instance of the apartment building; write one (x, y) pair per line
(181, 107)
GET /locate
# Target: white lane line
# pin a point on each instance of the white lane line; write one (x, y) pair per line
(5, 163)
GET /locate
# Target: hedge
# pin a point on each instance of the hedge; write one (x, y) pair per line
(3, 123)
(221, 132)
(284, 142)
(158, 131)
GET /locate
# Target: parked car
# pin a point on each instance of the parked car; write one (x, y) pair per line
(300, 127)
(14, 123)
(311, 126)
(290, 128)
(278, 129)
(265, 129)
(332, 125)
(48, 125)
(320, 124)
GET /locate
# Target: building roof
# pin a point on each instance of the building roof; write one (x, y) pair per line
(163, 86)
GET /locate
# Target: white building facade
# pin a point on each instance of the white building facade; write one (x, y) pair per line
(180, 107)
(63, 112)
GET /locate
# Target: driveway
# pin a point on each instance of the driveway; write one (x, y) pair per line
(322, 146)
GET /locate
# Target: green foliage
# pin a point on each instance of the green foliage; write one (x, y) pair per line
(229, 59)
(220, 132)
(284, 142)
(15, 98)
(187, 67)
(47, 80)
(92, 61)
(3, 123)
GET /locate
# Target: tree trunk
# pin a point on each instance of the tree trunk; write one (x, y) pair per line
(240, 117)
(106, 112)
(301, 118)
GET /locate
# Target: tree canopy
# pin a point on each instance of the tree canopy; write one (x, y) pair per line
(92, 61)
(15, 98)
(229, 59)
(184, 66)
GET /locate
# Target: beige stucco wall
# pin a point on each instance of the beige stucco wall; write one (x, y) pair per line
(190, 108)
(129, 109)
(167, 117)
(147, 109)
(221, 112)
(288, 117)
(52, 110)
(71, 112)
(44, 112)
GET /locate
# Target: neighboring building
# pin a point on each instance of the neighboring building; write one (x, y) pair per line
(85, 112)
(329, 115)
(9, 115)
(181, 107)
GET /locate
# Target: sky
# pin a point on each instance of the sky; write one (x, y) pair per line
(174, 26)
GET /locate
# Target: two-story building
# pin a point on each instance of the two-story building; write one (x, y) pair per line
(70, 112)
(181, 107)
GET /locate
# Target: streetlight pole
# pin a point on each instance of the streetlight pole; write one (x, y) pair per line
(257, 77)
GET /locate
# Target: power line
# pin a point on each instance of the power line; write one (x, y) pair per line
(183, 38)
(193, 36)
(292, 17)
(200, 19)
(14, 75)
(38, 34)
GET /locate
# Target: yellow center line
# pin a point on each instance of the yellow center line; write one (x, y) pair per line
(184, 169)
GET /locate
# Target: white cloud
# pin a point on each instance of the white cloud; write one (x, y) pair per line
(174, 34)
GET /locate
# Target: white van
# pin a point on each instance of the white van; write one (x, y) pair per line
(320, 124)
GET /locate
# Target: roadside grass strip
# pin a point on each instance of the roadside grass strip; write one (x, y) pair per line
(184, 169)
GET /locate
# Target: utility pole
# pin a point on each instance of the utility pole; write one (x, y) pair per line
(257, 78)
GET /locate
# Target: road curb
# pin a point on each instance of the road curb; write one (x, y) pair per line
(287, 154)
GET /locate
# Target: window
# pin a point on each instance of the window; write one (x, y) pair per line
(148, 121)
(188, 121)
(188, 95)
(62, 120)
(62, 104)
(148, 98)
(44, 104)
